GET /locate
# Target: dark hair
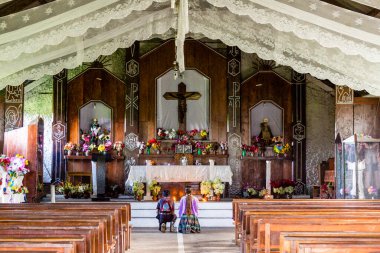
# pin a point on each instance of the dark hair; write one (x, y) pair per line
(166, 193)
(188, 190)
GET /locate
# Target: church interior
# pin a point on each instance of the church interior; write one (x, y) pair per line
(261, 114)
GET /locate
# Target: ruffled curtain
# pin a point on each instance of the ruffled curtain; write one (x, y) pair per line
(308, 35)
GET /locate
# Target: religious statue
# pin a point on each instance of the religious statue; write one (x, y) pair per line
(265, 133)
(95, 130)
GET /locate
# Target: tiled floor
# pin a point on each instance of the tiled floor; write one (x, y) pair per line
(210, 240)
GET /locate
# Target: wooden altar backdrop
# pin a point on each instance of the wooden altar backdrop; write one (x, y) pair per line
(95, 84)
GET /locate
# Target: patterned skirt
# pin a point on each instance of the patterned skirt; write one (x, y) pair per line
(189, 224)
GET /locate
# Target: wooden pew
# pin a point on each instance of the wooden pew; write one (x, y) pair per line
(289, 241)
(269, 229)
(104, 229)
(340, 206)
(58, 247)
(240, 206)
(120, 222)
(352, 247)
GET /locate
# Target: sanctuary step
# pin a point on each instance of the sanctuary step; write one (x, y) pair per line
(211, 214)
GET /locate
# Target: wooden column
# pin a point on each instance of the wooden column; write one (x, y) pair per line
(299, 126)
(234, 129)
(131, 121)
(14, 107)
(59, 127)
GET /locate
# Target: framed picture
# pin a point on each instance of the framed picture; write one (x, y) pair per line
(179, 149)
(187, 149)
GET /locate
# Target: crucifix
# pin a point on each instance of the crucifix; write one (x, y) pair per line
(182, 96)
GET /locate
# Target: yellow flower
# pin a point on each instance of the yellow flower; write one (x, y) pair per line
(26, 162)
(101, 148)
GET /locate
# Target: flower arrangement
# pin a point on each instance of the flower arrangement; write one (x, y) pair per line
(138, 189)
(203, 133)
(218, 186)
(223, 145)
(154, 188)
(92, 147)
(104, 137)
(86, 138)
(18, 164)
(85, 147)
(161, 133)
(141, 146)
(282, 187)
(209, 147)
(4, 161)
(262, 193)
(69, 146)
(102, 148)
(153, 143)
(206, 188)
(118, 146)
(171, 133)
(372, 191)
(250, 191)
(193, 133)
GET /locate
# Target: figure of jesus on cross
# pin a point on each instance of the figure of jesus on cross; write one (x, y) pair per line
(182, 96)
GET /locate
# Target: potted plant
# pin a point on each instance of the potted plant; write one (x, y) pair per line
(154, 188)
(218, 188)
(288, 186)
(67, 189)
(206, 189)
(138, 190)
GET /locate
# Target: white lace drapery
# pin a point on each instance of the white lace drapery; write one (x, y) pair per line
(309, 35)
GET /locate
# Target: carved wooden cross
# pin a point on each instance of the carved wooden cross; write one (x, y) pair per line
(182, 96)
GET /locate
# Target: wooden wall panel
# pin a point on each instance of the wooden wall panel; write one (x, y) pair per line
(363, 117)
(197, 56)
(96, 84)
(273, 88)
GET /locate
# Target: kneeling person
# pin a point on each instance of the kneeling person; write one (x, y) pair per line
(165, 212)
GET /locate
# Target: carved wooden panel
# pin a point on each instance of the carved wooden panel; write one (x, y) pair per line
(197, 56)
(96, 84)
(14, 99)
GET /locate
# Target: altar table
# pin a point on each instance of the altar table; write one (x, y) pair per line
(179, 173)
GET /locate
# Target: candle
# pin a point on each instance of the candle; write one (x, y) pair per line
(52, 193)
(268, 176)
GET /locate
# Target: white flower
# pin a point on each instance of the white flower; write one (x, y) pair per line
(3, 25)
(49, 11)
(26, 18)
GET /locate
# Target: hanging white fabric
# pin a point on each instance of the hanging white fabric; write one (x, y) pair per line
(182, 30)
(342, 46)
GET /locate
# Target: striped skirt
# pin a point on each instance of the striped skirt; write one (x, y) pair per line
(189, 224)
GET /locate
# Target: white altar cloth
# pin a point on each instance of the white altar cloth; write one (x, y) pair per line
(176, 173)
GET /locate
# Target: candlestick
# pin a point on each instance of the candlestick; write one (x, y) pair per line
(52, 193)
(268, 177)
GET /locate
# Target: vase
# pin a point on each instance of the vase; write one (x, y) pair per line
(148, 151)
(243, 153)
(217, 197)
(69, 152)
(138, 197)
(87, 153)
(199, 151)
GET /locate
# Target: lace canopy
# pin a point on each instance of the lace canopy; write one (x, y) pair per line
(308, 35)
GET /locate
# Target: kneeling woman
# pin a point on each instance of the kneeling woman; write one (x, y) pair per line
(188, 211)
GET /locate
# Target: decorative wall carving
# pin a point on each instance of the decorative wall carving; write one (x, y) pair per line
(14, 107)
(131, 141)
(234, 144)
(344, 95)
